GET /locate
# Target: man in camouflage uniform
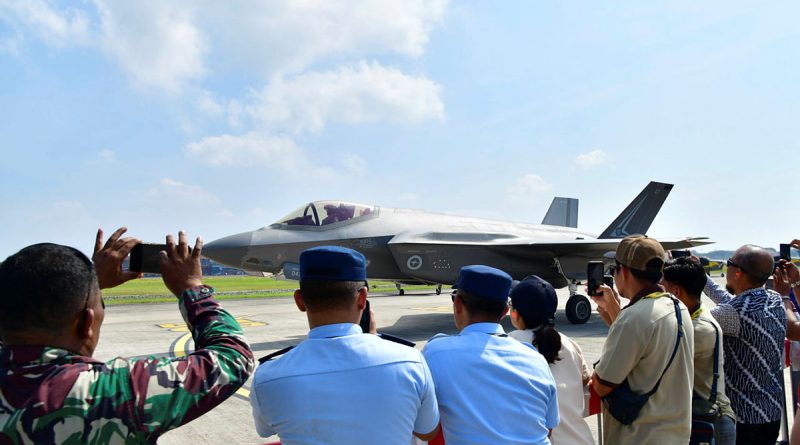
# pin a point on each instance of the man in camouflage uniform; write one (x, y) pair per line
(53, 391)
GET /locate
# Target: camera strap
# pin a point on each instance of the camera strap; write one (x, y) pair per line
(677, 342)
(713, 398)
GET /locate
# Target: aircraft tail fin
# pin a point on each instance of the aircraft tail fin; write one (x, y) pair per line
(640, 213)
(562, 212)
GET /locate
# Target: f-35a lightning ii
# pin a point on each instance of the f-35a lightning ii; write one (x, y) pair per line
(412, 246)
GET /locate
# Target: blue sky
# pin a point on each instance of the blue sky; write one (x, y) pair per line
(221, 117)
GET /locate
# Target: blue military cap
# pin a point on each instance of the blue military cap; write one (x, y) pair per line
(484, 282)
(535, 299)
(332, 263)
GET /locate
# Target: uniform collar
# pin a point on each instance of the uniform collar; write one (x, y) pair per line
(645, 292)
(486, 328)
(34, 355)
(335, 330)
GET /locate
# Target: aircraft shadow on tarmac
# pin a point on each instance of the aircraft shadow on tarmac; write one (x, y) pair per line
(421, 327)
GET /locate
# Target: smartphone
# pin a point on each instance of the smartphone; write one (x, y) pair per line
(786, 252)
(594, 274)
(679, 253)
(364, 323)
(608, 280)
(144, 258)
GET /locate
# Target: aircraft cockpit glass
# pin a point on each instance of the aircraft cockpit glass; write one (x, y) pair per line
(324, 213)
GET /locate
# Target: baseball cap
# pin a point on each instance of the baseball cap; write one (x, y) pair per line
(484, 282)
(636, 251)
(535, 299)
(332, 263)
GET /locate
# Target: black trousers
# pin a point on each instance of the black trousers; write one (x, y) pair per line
(757, 433)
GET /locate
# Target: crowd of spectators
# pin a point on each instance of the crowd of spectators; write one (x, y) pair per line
(671, 371)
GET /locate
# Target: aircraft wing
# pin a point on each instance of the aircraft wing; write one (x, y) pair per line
(427, 258)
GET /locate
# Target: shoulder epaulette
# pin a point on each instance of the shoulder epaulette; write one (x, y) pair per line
(269, 357)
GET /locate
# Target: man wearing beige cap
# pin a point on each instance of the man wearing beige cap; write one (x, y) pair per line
(648, 353)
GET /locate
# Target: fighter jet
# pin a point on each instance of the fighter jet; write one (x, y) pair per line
(413, 246)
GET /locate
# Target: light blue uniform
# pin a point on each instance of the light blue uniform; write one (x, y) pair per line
(491, 389)
(343, 386)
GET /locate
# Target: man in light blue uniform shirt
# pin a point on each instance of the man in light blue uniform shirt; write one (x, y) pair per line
(341, 385)
(491, 388)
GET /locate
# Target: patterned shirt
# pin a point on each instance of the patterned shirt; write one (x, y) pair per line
(50, 395)
(754, 325)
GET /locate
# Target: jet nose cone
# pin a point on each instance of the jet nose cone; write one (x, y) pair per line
(230, 250)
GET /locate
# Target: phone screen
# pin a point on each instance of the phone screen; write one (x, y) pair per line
(144, 258)
(786, 252)
(594, 273)
(364, 323)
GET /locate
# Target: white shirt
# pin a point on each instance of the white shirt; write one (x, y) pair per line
(570, 372)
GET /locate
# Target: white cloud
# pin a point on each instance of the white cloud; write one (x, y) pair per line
(55, 27)
(366, 92)
(529, 184)
(594, 158)
(251, 149)
(288, 36)
(156, 43)
(172, 192)
(355, 163)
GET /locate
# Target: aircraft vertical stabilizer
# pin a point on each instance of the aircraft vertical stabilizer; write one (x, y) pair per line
(562, 212)
(640, 213)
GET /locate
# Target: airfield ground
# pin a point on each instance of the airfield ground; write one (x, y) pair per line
(274, 323)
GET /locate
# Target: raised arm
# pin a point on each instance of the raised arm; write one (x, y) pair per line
(170, 392)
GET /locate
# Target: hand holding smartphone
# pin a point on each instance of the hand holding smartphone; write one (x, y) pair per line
(594, 274)
(145, 258)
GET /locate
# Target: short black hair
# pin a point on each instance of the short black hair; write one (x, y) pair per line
(43, 286)
(652, 273)
(482, 307)
(322, 295)
(687, 273)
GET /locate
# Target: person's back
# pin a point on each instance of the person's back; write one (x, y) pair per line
(533, 308)
(498, 377)
(53, 391)
(341, 385)
(491, 389)
(338, 359)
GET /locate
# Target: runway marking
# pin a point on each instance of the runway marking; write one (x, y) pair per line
(181, 327)
(434, 309)
(179, 348)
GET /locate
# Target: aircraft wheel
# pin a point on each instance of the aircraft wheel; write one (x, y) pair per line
(439, 290)
(402, 292)
(579, 309)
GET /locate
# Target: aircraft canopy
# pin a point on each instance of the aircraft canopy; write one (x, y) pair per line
(324, 213)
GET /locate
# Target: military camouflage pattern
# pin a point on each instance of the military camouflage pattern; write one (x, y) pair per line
(51, 395)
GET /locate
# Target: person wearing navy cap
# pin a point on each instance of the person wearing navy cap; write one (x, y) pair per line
(341, 385)
(533, 311)
(491, 388)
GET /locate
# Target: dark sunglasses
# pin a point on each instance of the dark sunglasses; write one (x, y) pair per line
(730, 263)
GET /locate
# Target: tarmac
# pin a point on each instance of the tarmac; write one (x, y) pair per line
(274, 323)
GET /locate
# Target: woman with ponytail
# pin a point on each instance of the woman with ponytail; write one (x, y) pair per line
(533, 310)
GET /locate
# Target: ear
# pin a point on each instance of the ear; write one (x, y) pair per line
(86, 323)
(361, 299)
(458, 305)
(298, 300)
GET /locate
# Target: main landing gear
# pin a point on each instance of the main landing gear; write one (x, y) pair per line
(400, 290)
(579, 309)
(438, 289)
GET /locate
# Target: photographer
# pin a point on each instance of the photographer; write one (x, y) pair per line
(51, 312)
(685, 278)
(648, 351)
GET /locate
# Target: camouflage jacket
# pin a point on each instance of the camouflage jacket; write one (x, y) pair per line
(51, 395)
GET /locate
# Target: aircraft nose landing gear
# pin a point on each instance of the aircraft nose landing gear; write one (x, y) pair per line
(579, 309)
